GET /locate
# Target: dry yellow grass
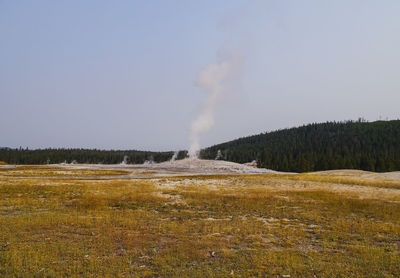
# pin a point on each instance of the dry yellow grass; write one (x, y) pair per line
(3, 163)
(63, 225)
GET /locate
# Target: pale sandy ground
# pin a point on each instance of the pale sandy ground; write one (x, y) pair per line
(210, 166)
(177, 168)
(190, 167)
(7, 166)
(277, 184)
(213, 167)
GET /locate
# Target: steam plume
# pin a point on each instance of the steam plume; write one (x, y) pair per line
(174, 156)
(214, 80)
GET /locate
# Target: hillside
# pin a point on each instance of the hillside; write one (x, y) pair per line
(373, 146)
(370, 146)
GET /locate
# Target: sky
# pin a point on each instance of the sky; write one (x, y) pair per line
(122, 74)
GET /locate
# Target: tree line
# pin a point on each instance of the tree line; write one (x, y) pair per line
(55, 156)
(370, 146)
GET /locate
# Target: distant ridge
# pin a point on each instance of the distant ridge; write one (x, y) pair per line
(92, 156)
(370, 146)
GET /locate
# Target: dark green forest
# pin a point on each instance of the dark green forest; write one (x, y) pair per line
(370, 146)
(46, 156)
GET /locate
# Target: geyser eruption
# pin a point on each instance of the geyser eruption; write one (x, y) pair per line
(214, 80)
(125, 161)
(174, 156)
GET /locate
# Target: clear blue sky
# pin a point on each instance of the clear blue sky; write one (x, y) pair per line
(120, 74)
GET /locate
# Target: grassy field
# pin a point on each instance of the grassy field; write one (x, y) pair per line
(71, 223)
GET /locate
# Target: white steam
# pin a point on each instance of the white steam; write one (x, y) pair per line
(215, 80)
(125, 161)
(174, 156)
(219, 155)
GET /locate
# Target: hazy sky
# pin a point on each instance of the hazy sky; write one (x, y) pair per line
(121, 74)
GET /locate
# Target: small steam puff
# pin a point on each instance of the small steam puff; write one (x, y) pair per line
(174, 156)
(214, 80)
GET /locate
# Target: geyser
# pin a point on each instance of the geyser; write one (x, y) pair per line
(214, 80)
(174, 156)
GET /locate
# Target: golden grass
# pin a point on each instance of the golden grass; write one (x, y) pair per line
(3, 163)
(345, 180)
(213, 226)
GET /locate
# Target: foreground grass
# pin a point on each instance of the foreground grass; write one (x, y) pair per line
(215, 226)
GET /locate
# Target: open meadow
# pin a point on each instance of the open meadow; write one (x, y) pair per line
(79, 222)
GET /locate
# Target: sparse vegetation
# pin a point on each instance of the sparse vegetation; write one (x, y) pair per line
(53, 225)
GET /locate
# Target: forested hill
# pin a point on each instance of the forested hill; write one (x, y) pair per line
(44, 156)
(371, 146)
(367, 146)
